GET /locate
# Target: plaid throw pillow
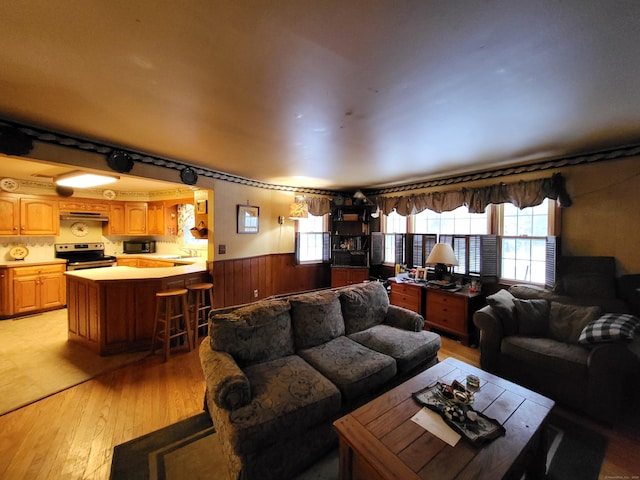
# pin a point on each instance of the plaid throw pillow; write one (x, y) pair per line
(610, 327)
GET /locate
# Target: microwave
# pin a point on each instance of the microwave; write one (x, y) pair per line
(139, 246)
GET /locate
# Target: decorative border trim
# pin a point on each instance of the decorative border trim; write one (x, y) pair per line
(69, 141)
(78, 143)
(613, 154)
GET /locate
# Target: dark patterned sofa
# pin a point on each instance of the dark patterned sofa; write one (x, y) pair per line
(279, 371)
(575, 344)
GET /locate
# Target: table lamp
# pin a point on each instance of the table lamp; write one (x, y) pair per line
(442, 257)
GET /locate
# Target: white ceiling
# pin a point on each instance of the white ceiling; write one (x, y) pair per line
(329, 94)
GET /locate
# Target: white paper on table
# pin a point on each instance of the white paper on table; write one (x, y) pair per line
(434, 424)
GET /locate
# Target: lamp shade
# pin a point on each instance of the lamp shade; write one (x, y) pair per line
(442, 253)
(298, 211)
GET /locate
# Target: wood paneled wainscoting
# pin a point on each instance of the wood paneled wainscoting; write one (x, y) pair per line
(245, 280)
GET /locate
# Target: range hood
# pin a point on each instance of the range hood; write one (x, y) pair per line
(96, 217)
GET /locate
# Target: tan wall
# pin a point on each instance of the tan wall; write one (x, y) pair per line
(272, 237)
(605, 216)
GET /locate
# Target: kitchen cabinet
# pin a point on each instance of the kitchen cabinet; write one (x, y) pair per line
(9, 215)
(452, 312)
(155, 218)
(127, 262)
(342, 276)
(154, 263)
(6, 293)
(115, 316)
(32, 288)
(135, 218)
(407, 295)
(83, 205)
(142, 218)
(116, 224)
(28, 215)
(145, 262)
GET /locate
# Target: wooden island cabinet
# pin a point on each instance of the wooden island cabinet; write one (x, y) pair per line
(112, 310)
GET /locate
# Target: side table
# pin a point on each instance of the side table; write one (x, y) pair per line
(452, 311)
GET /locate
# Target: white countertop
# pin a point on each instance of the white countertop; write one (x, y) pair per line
(133, 273)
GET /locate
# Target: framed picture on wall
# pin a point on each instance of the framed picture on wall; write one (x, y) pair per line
(248, 219)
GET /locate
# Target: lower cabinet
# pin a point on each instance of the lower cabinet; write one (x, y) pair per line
(144, 262)
(342, 276)
(32, 288)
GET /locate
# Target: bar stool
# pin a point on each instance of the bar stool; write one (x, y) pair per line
(172, 320)
(198, 307)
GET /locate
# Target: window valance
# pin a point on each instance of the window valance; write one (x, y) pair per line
(318, 206)
(522, 194)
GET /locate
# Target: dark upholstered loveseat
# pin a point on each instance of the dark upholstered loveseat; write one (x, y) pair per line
(279, 371)
(535, 337)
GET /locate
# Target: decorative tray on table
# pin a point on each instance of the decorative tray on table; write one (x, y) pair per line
(453, 403)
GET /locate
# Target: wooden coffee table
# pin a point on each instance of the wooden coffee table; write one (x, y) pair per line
(379, 441)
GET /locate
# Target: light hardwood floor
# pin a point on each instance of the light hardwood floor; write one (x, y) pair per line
(71, 435)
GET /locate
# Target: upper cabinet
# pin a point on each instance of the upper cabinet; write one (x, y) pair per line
(135, 218)
(40, 215)
(28, 215)
(116, 223)
(155, 218)
(9, 215)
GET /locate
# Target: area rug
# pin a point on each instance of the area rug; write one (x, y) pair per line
(190, 449)
(37, 360)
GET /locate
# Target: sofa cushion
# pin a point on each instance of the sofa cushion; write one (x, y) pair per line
(503, 304)
(363, 306)
(355, 369)
(288, 398)
(530, 292)
(255, 333)
(610, 327)
(547, 354)
(532, 316)
(316, 318)
(566, 322)
(409, 349)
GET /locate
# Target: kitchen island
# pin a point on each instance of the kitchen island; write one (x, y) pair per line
(111, 310)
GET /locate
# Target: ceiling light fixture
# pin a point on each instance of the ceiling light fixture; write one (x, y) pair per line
(80, 179)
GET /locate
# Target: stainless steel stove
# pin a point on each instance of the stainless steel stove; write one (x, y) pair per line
(84, 255)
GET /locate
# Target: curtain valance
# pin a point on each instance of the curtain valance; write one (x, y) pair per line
(522, 194)
(318, 206)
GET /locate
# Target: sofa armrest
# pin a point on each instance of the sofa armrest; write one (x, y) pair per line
(613, 372)
(404, 318)
(227, 385)
(491, 334)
